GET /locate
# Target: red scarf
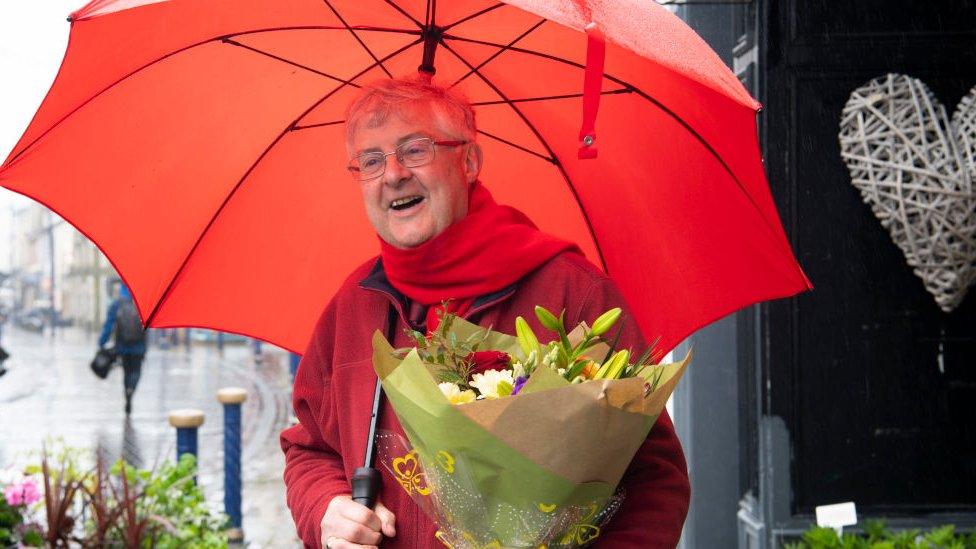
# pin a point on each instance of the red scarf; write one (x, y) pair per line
(491, 248)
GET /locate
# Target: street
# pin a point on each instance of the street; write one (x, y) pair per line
(49, 394)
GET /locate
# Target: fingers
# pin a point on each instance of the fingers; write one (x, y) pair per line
(349, 524)
(360, 514)
(356, 533)
(387, 520)
(336, 543)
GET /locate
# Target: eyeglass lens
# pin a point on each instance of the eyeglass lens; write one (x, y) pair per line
(411, 154)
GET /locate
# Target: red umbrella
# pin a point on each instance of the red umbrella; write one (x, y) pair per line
(199, 144)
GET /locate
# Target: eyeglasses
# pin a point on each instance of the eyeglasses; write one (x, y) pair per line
(411, 154)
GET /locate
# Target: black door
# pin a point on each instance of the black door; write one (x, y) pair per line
(876, 385)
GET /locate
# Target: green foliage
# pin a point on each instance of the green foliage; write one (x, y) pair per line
(10, 518)
(878, 536)
(444, 353)
(121, 506)
(172, 499)
(32, 538)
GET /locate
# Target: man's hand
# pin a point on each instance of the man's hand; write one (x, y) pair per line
(349, 525)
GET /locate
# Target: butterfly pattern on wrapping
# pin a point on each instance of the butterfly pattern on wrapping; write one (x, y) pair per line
(410, 474)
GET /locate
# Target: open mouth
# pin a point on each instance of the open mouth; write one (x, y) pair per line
(405, 203)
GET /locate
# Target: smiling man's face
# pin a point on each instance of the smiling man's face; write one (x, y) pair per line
(409, 206)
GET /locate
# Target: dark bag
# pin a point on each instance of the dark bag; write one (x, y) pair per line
(102, 362)
(128, 325)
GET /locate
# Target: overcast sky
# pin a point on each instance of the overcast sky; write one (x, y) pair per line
(33, 36)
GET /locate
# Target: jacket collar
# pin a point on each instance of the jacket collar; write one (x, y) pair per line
(377, 281)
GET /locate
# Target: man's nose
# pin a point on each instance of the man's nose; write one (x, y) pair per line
(395, 172)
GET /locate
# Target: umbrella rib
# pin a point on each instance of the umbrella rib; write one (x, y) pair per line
(404, 13)
(549, 97)
(555, 159)
(358, 39)
(638, 91)
(233, 191)
(287, 61)
(473, 15)
(318, 125)
(497, 53)
(519, 147)
(137, 70)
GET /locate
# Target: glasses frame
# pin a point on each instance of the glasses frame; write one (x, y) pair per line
(353, 166)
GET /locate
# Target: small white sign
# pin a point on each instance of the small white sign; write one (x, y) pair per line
(837, 516)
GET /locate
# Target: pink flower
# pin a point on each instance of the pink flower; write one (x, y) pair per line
(31, 493)
(14, 495)
(24, 493)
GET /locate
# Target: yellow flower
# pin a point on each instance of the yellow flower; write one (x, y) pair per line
(455, 395)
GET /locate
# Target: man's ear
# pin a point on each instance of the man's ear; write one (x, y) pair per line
(472, 162)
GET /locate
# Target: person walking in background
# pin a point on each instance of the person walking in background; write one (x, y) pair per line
(122, 322)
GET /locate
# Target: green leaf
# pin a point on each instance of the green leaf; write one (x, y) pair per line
(505, 388)
(562, 358)
(575, 370)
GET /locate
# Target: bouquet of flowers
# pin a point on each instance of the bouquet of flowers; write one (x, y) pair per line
(514, 442)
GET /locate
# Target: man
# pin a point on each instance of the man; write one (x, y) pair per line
(122, 323)
(413, 153)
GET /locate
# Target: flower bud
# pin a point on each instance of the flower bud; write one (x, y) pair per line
(605, 321)
(548, 319)
(526, 337)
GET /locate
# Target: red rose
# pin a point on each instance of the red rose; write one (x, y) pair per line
(487, 360)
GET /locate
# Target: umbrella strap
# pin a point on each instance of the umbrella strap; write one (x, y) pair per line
(596, 49)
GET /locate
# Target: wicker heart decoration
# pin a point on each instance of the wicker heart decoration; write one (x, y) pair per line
(916, 169)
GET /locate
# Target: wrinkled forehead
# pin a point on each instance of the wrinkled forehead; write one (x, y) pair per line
(425, 117)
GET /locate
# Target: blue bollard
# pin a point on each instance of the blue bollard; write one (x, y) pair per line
(220, 341)
(186, 338)
(231, 398)
(294, 359)
(258, 349)
(187, 422)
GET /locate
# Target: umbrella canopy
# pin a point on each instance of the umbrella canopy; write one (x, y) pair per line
(199, 144)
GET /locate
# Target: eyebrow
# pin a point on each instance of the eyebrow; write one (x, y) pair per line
(400, 141)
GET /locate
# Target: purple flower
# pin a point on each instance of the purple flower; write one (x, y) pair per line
(519, 383)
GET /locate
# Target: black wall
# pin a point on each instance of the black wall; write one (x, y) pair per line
(876, 385)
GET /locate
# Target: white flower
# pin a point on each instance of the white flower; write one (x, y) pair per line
(550, 357)
(454, 393)
(518, 370)
(493, 383)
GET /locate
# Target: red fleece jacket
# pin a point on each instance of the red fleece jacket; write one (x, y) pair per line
(334, 387)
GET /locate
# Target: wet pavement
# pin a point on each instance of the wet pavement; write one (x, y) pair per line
(49, 393)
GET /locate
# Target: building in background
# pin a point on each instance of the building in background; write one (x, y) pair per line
(56, 276)
(862, 389)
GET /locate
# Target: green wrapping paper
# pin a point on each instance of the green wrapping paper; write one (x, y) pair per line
(536, 469)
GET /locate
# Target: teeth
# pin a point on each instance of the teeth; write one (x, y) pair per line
(402, 201)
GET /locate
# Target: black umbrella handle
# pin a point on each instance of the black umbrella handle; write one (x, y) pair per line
(366, 480)
(365, 486)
